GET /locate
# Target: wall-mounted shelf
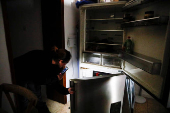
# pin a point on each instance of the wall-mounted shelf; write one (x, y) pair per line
(147, 22)
(148, 64)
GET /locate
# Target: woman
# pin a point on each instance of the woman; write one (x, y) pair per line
(39, 67)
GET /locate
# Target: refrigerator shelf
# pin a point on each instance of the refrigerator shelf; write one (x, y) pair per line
(105, 19)
(95, 52)
(130, 6)
(147, 22)
(107, 30)
(148, 64)
(99, 58)
(103, 5)
(112, 44)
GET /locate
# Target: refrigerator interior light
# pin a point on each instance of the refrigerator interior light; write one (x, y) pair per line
(96, 53)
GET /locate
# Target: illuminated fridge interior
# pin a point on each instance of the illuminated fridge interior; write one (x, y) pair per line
(103, 32)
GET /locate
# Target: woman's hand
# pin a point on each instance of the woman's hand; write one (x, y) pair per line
(70, 90)
(60, 76)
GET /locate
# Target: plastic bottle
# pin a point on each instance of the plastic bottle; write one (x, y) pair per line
(128, 45)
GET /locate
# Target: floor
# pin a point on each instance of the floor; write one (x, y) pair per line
(150, 106)
(56, 107)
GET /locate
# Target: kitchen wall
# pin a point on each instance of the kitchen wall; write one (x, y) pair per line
(25, 25)
(26, 35)
(71, 21)
(5, 75)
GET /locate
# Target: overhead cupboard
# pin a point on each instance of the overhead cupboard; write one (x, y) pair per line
(104, 27)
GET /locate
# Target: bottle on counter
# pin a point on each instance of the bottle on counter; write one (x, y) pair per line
(128, 45)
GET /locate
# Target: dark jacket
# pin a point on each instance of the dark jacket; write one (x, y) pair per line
(36, 67)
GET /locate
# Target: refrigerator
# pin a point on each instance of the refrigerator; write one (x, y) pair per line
(98, 94)
(104, 28)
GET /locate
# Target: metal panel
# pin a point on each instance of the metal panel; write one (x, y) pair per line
(148, 64)
(97, 94)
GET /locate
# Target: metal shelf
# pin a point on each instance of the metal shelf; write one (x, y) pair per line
(104, 19)
(104, 43)
(147, 22)
(105, 30)
(103, 5)
(112, 54)
(131, 6)
(101, 58)
(146, 63)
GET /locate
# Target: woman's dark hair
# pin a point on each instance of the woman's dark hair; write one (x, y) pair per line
(61, 54)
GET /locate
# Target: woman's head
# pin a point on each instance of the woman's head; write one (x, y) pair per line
(60, 56)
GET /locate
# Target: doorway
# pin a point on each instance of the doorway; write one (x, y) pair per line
(27, 29)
